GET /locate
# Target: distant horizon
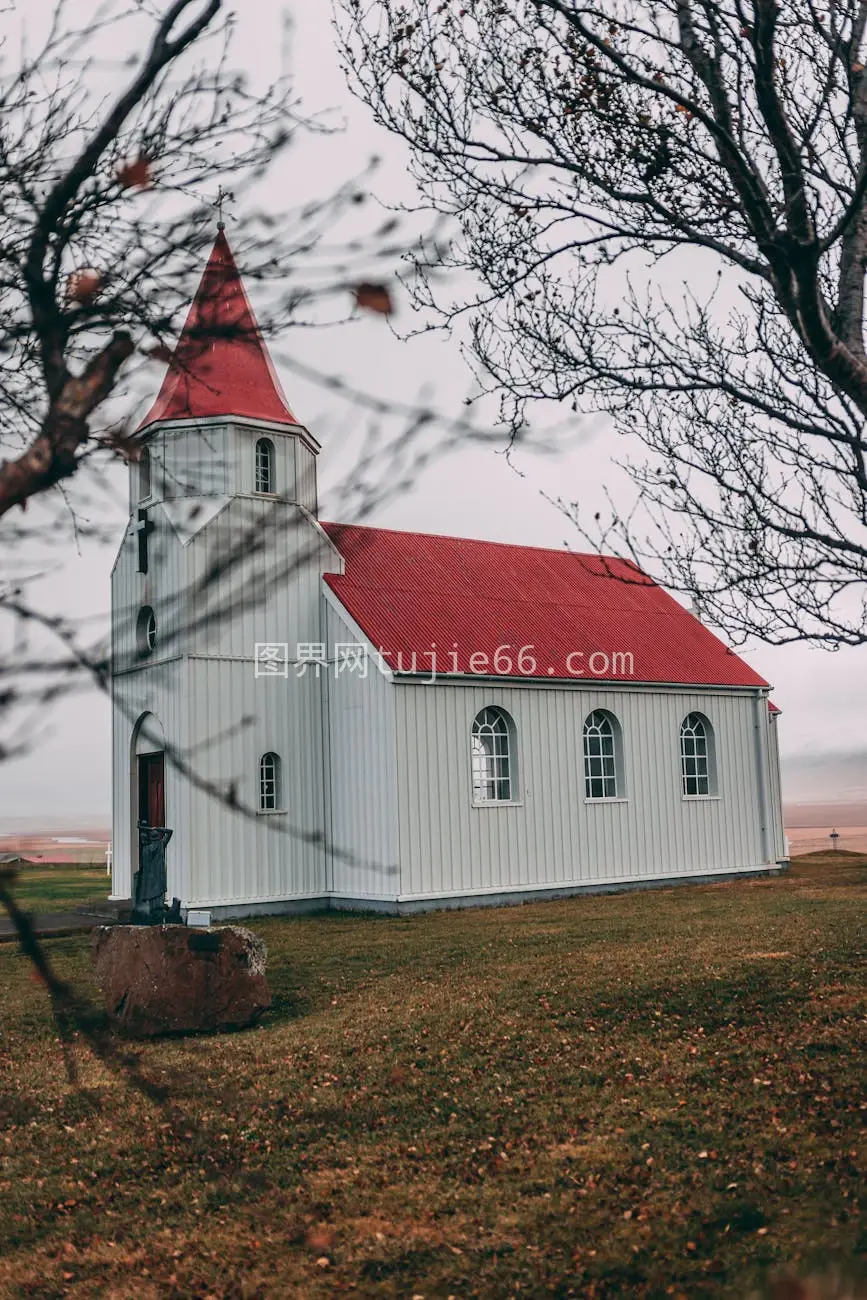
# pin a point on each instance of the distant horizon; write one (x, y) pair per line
(797, 815)
(818, 787)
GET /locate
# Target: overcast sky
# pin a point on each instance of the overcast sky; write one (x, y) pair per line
(473, 491)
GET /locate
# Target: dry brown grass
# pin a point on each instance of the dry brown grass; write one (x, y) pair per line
(638, 1095)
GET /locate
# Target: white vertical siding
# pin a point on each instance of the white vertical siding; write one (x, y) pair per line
(162, 588)
(361, 785)
(235, 718)
(553, 836)
(253, 575)
(157, 685)
(217, 716)
(191, 459)
(218, 458)
(306, 477)
(272, 595)
(776, 794)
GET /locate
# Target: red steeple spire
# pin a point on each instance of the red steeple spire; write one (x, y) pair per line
(220, 365)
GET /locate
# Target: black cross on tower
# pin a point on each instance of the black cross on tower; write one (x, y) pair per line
(141, 528)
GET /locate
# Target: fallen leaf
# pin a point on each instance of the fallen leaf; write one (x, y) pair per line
(320, 1239)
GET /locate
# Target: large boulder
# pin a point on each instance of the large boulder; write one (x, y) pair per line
(168, 979)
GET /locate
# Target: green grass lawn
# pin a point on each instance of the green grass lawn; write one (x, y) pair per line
(62, 887)
(649, 1094)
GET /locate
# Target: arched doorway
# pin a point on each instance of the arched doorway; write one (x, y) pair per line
(148, 808)
(149, 784)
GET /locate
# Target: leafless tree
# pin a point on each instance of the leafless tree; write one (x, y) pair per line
(664, 210)
(112, 175)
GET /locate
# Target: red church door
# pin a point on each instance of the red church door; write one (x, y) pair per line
(152, 789)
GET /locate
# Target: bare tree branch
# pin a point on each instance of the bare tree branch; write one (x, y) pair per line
(579, 149)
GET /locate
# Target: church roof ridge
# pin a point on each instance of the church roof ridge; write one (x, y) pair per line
(328, 525)
(220, 364)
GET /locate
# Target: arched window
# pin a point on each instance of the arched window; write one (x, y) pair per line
(144, 474)
(697, 756)
(264, 465)
(145, 631)
(270, 783)
(492, 749)
(603, 756)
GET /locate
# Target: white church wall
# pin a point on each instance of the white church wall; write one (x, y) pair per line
(775, 792)
(361, 786)
(271, 597)
(155, 684)
(218, 458)
(158, 589)
(187, 459)
(235, 718)
(552, 835)
(254, 577)
(200, 681)
(305, 471)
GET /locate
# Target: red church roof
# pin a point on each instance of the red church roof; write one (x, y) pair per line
(581, 616)
(220, 365)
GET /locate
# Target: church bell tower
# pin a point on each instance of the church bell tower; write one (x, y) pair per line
(223, 552)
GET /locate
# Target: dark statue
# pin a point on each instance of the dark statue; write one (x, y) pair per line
(149, 890)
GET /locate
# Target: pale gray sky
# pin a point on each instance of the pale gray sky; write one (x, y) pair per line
(473, 492)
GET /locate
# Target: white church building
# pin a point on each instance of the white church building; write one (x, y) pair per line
(329, 715)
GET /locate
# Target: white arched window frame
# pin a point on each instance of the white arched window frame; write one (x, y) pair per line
(270, 783)
(144, 474)
(265, 456)
(697, 757)
(603, 756)
(492, 750)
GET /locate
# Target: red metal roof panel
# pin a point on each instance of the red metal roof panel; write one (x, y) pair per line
(464, 606)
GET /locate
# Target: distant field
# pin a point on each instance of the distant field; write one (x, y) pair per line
(86, 844)
(59, 887)
(628, 1096)
(812, 839)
